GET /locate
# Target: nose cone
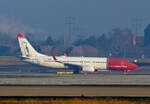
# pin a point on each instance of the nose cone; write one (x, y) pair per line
(132, 66)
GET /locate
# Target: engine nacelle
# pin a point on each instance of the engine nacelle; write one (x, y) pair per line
(88, 69)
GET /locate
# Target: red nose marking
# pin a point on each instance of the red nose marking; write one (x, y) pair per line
(120, 64)
(132, 66)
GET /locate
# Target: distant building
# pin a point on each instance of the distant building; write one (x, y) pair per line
(147, 36)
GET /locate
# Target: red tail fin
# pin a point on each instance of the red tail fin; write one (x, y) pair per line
(20, 35)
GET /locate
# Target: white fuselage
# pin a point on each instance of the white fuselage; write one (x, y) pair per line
(43, 60)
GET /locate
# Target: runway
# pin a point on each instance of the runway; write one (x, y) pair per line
(93, 91)
(75, 79)
(92, 85)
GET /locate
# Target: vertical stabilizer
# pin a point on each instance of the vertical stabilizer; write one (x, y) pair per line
(26, 48)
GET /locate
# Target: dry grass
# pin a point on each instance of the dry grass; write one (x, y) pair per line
(73, 101)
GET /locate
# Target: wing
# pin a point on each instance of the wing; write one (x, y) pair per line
(84, 67)
(66, 64)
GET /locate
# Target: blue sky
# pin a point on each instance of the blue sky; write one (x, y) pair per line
(95, 16)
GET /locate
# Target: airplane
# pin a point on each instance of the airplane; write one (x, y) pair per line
(83, 64)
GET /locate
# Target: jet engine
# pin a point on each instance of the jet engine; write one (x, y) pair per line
(88, 69)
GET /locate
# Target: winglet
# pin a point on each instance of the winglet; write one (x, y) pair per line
(65, 54)
(54, 57)
(20, 35)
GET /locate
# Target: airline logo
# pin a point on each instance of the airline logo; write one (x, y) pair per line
(26, 49)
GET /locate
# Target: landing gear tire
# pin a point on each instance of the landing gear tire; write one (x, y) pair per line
(76, 71)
